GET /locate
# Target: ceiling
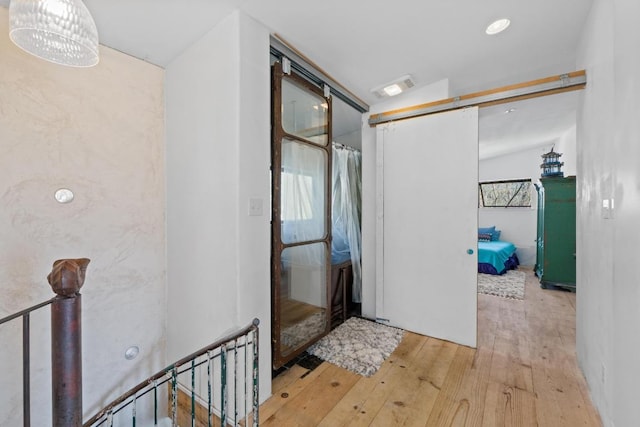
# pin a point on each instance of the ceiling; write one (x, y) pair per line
(365, 44)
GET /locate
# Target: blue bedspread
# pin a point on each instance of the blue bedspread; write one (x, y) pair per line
(498, 254)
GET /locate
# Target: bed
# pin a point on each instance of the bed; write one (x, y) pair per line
(495, 256)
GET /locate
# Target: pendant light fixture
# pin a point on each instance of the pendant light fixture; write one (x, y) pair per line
(60, 31)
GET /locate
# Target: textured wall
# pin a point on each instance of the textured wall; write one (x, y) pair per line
(99, 132)
(594, 235)
(608, 295)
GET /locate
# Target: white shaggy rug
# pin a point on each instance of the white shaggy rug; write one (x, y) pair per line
(358, 345)
(508, 285)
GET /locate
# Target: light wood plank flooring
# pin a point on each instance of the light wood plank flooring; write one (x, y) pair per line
(524, 373)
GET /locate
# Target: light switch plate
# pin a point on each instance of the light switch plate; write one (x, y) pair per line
(255, 207)
(606, 209)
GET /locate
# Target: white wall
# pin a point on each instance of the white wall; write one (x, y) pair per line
(352, 139)
(218, 157)
(567, 145)
(608, 295)
(254, 177)
(518, 225)
(99, 132)
(437, 91)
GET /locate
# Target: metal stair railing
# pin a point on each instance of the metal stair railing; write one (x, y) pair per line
(66, 279)
(191, 385)
(26, 356)
(198, 388)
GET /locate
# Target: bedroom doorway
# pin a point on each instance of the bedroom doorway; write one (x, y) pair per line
(512, 139)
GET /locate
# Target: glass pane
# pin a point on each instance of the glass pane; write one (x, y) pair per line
(516, 193)
(304, 114)
(302, 193)
(303, 296)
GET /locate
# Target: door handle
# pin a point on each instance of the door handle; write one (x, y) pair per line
(470, 251)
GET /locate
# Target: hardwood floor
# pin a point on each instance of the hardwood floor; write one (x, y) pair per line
(523, 373)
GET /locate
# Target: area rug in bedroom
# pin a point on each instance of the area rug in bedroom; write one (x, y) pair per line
(358, 345)
(508, 285)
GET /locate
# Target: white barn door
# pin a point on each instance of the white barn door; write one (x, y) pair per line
(427, 216)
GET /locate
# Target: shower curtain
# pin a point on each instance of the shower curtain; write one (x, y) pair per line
(347, 212)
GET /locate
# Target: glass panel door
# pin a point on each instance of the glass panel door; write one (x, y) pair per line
(301, 215)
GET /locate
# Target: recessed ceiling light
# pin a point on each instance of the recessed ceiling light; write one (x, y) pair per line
(394, 87)
(392, 90)
(497, 26)
(510, 110)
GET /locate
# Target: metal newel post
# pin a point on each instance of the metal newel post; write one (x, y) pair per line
(66, 279)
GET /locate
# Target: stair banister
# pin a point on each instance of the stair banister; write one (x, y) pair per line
(66, 279)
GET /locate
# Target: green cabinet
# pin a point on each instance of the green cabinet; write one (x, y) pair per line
(556, 233)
